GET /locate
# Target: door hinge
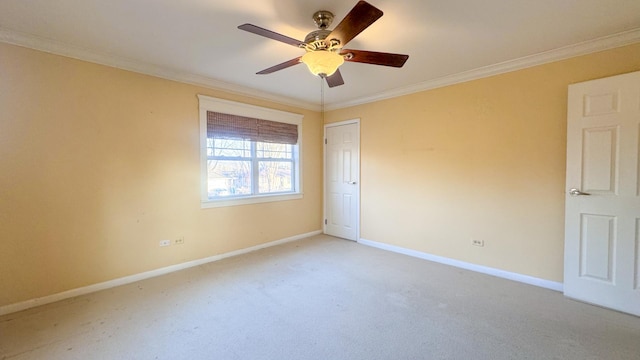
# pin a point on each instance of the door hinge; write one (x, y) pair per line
(325, 221)
(325, 141)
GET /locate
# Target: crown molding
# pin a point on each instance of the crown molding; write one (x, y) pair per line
(59, 48)
(76, 52)
(583, 48)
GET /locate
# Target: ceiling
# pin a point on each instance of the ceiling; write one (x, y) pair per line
(197, 41)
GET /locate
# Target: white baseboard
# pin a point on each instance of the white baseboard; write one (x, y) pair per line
(11, 308)
(547, 284)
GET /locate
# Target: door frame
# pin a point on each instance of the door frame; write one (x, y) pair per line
(355, 121)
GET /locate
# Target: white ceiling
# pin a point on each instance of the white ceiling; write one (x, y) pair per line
(198, 41)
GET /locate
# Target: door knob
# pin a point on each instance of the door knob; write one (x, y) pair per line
(576, 192)
(352, 182)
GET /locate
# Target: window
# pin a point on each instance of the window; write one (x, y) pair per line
(249, 154)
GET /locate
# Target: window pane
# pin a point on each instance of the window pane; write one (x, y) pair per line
(275, 176)
(228, 148)
(228, 178)
(274, 151)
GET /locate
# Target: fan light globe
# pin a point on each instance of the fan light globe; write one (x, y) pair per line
(322, 62)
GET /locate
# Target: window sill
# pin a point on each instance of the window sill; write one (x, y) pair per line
(257, 199)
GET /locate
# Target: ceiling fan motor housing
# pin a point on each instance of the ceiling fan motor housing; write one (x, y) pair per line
(315, 40)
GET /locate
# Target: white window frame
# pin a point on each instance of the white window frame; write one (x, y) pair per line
(208, 103)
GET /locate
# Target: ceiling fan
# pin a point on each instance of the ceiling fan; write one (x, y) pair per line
(324, 47)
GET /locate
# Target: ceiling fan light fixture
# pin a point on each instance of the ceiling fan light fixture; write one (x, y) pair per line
(325, 51)
(322, 62)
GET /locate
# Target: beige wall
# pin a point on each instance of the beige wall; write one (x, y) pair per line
(483, 159)
(97, 165)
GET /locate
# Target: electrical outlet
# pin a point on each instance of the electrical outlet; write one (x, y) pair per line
(180, 240)
(165, 242)
(476, 242)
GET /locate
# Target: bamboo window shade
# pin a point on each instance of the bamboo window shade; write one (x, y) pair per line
(227, 126)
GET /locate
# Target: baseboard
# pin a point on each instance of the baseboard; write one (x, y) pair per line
(11, 308)
(547, 284)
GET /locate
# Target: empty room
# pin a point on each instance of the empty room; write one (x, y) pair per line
(283, 179)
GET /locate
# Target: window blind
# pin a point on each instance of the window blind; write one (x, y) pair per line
(227, 126)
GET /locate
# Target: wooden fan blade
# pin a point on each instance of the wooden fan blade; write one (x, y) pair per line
(335, 79)
(375, 58)
(284, 65)
(359, 18)
(270, 34)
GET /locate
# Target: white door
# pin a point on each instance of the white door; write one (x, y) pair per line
(342, 180)
(602, 214)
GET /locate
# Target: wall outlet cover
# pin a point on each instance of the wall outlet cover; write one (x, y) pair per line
(476, 242)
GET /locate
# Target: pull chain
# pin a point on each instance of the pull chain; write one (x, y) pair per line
(322, 98)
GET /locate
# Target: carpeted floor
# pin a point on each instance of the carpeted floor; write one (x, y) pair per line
(321, 298)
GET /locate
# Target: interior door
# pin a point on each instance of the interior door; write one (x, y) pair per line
(602, 215)
(342, 180)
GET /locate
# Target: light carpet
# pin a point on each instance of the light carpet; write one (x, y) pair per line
(321, 298)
